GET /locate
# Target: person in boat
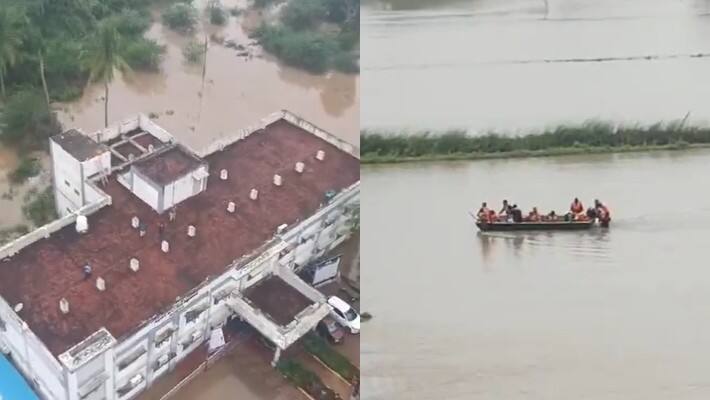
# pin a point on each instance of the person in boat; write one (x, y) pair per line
(552, 216)
(534, 216)
(602, 212)
(505, 212)
(576, 208)
(483, 213)
(516, 213)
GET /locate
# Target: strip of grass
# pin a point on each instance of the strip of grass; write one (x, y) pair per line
(305, 379)
(588, 138)
(334, 360)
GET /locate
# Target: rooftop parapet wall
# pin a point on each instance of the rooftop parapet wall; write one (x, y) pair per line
(129, 124)
(291, 118)
(45, 231)
(87, 349)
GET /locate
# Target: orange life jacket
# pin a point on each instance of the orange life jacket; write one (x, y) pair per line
(577, 207)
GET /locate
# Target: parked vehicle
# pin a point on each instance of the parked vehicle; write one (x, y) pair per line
(344, 314)
(329, 329)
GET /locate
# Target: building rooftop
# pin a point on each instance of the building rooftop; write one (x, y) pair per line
(171, 165)
(279, 300)
(78, 145)
(50, 269)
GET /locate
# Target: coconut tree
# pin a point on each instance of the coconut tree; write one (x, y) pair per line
(103, 57)
(10, 40)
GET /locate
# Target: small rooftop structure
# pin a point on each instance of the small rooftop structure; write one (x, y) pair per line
(169, 166)
(79, 145)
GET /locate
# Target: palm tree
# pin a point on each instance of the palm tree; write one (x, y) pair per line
(104, 57)
(10, 41)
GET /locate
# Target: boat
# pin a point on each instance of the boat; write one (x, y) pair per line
(535, 226)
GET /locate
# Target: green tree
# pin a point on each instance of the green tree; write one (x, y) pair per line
(103, 57)
(11, 21)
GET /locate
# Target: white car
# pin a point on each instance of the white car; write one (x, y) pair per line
(344, 314)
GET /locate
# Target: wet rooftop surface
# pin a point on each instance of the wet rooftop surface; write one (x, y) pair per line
(277, 299)
(78, 144)
(41, 274)
(170, 166)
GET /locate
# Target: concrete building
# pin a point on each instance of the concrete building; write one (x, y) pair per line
(157, 245)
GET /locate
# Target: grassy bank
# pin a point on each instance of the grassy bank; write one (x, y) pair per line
(334, 360)
(588, 138)
(305, 379)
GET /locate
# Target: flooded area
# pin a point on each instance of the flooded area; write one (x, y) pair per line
(527, 64)
(617, 314)
(12, 196)
(237, 90)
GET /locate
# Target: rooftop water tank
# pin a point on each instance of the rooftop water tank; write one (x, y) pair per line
(82, 224)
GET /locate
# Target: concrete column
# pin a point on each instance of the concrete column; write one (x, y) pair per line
(277, 355)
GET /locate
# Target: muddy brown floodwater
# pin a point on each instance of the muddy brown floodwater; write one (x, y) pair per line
(617, 314)
(522, 64)
(237, 91)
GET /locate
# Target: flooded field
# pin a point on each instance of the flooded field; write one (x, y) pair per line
(237, 90)
(617, 314)
(523, 64)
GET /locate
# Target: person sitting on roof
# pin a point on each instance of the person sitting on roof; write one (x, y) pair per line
(534, 216)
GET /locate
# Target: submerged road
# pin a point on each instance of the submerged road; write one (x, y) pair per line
(617, 314)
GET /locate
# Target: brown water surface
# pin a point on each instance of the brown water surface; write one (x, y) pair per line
(603, 314)
(237, 91)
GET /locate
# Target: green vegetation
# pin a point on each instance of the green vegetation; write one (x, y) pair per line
(217, 14)
(194, 52)
(27, 168)
(26, 121)
(181, 17)
(317, 35)
(39, 207)
(334, 360)
(305, 379)
(591, 137)
(13, 232)
(48, 51)
(143, 54)
(104, 56)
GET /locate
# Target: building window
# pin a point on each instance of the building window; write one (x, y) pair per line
(77, 192)
(130, 359)
(66, 182)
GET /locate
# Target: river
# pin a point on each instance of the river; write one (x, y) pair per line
(514, 65)
(604, 314)
(617, 314)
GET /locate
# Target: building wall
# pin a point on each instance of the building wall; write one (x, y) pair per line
(34, 360)
(183, 188)
(146, 191)
(68, 180)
